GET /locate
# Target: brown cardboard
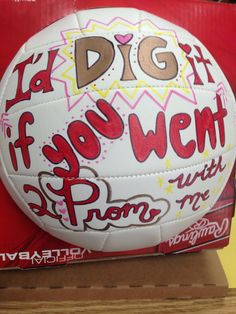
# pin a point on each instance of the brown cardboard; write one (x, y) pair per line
(184, 276)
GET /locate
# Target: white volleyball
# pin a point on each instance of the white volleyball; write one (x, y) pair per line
(117, 129)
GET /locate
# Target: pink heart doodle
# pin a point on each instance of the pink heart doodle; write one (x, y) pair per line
(123, 39)
(186, 48)
(66, 219)
(63, 210)
(60, 203)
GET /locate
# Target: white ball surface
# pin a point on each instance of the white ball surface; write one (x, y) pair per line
(117, 129)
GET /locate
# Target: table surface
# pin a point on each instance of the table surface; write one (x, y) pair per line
(209, 306)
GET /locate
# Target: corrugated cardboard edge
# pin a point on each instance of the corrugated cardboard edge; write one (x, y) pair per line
(198, 275)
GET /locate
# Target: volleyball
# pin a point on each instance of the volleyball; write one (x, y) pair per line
(117, 129)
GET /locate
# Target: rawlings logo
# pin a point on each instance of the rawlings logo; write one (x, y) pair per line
(201, 229)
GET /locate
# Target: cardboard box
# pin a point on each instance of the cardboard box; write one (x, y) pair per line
(28, 246)
(189, 276)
